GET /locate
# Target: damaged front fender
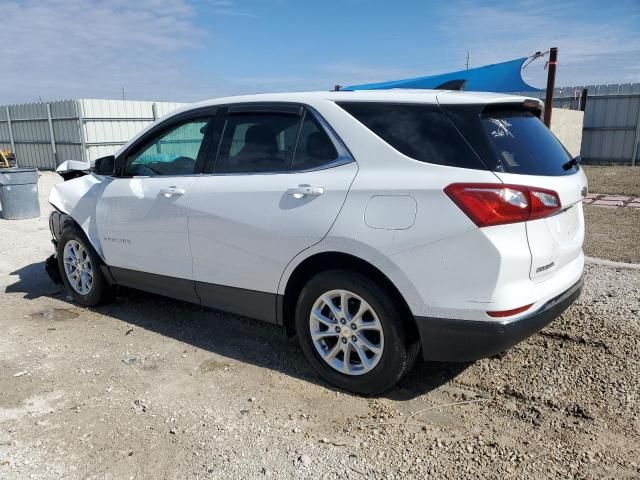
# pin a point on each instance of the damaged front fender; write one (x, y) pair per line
(78, 199)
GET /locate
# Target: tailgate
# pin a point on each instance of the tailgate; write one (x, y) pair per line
(555, 241)
(513, 143)
(520, 150)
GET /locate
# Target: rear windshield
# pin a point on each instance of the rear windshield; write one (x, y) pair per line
(524, 145)
(420, 131)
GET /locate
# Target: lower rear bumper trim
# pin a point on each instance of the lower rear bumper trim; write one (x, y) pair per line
(452, 340)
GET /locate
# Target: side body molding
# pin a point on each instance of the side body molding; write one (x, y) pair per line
(78, 199)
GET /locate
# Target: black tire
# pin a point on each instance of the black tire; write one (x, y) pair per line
(399, 352)
(99, 289)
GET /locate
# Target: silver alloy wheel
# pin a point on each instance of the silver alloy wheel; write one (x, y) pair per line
(346, 332)
(77, 267)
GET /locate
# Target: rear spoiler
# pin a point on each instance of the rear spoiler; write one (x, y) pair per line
(532, 105)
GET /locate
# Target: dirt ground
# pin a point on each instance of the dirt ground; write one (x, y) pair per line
(612, 233)
(147, 387)
(613, 180)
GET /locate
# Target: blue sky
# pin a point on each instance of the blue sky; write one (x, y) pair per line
(187, 50)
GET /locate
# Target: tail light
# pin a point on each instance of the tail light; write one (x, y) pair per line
(489, 204)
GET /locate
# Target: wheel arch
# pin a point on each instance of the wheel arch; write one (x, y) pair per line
(59, 221)
(324, 261)
(66, 221)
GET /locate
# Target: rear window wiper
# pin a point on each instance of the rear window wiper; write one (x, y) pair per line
(574, 162)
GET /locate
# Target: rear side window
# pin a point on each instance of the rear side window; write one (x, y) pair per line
(420, 131)
(258, 142)
(314, 149)
(272, 142)
(524, 145)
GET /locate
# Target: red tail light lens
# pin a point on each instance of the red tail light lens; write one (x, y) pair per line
(509, 313)
(488, 204)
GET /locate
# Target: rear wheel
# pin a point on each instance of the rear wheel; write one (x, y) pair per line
(352, 332)
(80, 268)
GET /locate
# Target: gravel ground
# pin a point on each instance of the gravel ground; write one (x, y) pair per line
(612, 233)
(147, 387)
(613, 180)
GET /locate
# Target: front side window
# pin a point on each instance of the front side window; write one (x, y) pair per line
(172, 153)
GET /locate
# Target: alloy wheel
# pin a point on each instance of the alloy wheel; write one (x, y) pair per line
(77, 267)
(346, 332)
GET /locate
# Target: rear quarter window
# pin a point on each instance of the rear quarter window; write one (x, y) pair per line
(420, 131)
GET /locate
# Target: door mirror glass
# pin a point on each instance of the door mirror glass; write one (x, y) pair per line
(105, 166)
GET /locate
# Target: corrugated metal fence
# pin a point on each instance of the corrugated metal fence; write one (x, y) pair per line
(43, 135)
(611, 132)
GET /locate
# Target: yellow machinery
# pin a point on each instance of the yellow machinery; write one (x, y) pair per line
(7, 159)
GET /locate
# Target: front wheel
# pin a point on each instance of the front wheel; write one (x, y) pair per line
(352, 332)
(80, 268)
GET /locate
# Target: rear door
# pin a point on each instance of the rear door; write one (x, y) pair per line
(274, 188)
(529, 154)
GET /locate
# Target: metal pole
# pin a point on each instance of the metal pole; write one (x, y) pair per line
(154, 113)
(634, 156)
(83, 145)
(51, 136)
(13, 146)
(583, 100)
(551, 82)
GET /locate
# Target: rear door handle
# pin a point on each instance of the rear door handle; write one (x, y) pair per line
(305, 191)
(172, 192)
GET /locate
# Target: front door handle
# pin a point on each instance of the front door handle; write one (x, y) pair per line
(305, 191)
(172, 192)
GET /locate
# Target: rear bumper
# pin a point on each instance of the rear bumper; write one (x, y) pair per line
(451, 340)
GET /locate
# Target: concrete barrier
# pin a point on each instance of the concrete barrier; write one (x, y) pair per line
(567, 126)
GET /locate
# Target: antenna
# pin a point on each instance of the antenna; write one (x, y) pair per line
(123, 92)
(467, 60)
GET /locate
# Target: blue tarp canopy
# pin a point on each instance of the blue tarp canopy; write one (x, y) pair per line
(499, 77)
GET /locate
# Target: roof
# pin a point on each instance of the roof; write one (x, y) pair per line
(396, 95)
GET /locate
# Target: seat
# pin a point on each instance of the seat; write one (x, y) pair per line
(320, 148)
(259, 140)
(319, 151)
(259, 153)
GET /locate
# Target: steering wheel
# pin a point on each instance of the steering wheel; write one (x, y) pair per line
(140, 170)
(184, 165)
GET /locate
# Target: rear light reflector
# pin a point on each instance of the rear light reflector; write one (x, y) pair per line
(509, 313)
(488, 204)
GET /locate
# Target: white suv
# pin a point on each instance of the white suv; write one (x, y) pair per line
(375, 225)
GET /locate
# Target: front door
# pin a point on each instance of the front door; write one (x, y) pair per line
(142, 214)
(279, 181)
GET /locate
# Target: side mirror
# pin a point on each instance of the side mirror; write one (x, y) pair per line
(105, 166)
